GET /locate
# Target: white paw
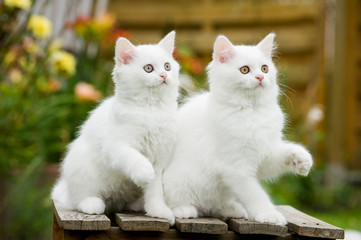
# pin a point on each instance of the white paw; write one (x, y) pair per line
(302, 161)
(137, 206)
(142, 173)
(188, 211)
(161, 212)
(235, 210)
(271, 216)
(92, 205)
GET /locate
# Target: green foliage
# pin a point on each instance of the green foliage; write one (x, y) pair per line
(36, 124)
(41, 109)
(27, 207)
(346, 218)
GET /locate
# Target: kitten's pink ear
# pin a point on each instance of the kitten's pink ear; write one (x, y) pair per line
(267, 45)
(223, 49)
(124, 50)
(168, 42)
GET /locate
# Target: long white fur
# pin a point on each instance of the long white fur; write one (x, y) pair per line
(126, 142)
(230, 137)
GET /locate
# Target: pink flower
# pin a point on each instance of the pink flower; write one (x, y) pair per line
(86, 92)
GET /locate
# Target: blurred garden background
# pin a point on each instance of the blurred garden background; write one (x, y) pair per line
(56, 59)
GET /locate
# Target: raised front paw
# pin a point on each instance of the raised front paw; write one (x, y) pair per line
(271, 216)
(301, 159)
(142, 173)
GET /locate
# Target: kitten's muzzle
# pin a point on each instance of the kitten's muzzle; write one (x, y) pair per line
(163, 75)
(260, 77)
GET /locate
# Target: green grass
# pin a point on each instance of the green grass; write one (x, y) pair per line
(346, 219)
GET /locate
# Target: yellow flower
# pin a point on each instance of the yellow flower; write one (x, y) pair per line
(63, 62)
(15, 75)
(22, 4)
(10, 57)
(55, 45)
(104, 23)
(40, 26)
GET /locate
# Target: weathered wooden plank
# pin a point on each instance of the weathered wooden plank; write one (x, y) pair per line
(75, 220)
(305, 225)
(57, 232)
(114, 233)
(201, 225)
(244, 226)
(137, 222)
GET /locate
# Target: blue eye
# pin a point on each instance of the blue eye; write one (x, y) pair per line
(148, 68)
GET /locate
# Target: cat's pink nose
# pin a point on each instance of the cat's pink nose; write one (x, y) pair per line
(259, 77)
(163, 75)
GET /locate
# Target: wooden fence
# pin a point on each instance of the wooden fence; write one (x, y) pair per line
(345, 87)
(298, 25)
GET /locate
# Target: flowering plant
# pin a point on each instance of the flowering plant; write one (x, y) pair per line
(34, 77)
(40, 110)
(40, 26)
(98, 29)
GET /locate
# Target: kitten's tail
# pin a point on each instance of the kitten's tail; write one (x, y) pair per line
(60, 194)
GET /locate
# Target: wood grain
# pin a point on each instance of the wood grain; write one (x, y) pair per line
(244, 226)
(137, 222)
(114, 233)
(75, 220)
(305, 225)
(57, 232)
(201, 225)
(70, 225)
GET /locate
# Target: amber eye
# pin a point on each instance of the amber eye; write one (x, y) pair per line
(264, 68)
(244, 69)
(148, 68)
(167, 66)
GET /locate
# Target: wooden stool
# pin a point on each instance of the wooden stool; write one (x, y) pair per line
(76, 225)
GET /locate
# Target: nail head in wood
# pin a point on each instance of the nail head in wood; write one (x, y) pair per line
(305, 225)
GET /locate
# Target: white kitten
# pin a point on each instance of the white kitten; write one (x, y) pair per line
(231, 137)
(128, 139)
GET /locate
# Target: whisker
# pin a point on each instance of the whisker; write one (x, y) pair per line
(291, 90)
(287, 98)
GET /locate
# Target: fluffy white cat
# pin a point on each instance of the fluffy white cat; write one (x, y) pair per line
(230, 137)
(126, 142)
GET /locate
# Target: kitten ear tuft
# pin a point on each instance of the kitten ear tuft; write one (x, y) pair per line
(124, 50)
(168, 42)
(267, 45)
(223, 49)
